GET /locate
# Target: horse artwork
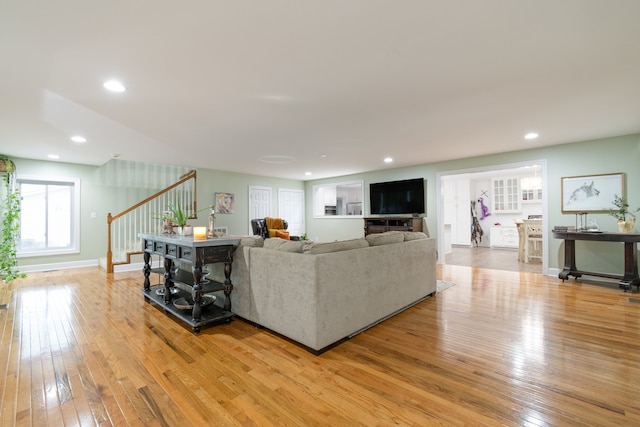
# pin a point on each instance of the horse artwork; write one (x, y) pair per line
(476, 229)
(583, 192)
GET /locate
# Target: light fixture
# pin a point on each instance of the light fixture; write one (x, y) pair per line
(388, 159)
(532, 182)
(53, 156)
(79, 139)
(531, 135)
(114, 86)
(307, 173)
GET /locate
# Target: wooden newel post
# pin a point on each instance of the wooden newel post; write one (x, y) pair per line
(109, 254)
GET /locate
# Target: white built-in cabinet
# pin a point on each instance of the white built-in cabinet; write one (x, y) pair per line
(506, 195)
(457, 209)
(504, 237)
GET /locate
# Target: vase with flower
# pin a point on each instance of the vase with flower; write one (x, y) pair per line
(626, 218)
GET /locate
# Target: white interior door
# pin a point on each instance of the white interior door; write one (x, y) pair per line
(259, 203)
(291, 209)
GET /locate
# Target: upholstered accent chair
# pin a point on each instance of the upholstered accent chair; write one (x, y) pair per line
(271, 227)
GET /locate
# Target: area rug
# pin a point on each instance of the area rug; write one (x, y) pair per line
(442, 285)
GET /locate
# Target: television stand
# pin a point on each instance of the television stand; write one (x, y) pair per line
(391, 223)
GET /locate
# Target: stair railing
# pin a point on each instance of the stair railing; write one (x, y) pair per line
(145, 217)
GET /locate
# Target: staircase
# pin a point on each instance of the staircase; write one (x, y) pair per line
(143, 217)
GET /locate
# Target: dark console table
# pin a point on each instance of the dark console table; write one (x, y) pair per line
(186, 301)
(626, 281)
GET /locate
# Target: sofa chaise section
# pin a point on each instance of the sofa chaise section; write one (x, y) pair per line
(318, 300)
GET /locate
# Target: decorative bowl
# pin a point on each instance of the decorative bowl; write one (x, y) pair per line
(183, 303)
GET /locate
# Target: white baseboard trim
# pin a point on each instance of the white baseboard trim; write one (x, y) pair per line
(553, 272)
(128, 267)
(57, 266)
(78, 264)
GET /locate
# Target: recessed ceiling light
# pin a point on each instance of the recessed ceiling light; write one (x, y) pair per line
(307, 173)
(114, 86)
(531, 135)
(388, 160)
(53, 156)
(79, 139)
(323, 155)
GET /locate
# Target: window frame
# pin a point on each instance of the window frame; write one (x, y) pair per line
(319, 205)
(74, 247)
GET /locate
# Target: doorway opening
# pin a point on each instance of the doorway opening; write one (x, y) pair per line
(480, 213)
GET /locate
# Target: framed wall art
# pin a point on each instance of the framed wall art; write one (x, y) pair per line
(224, 202)
(591, 193)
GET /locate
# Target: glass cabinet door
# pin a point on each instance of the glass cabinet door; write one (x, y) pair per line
(506, 195)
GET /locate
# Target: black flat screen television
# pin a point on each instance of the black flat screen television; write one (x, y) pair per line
(397, 197)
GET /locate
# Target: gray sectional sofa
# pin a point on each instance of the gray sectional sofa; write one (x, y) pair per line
(318, 294)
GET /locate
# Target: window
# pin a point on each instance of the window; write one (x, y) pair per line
(50, 216)
(343, 199)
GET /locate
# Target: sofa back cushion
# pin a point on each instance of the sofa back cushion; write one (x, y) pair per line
(414, 235)
(386, 238)
(253, 241)
(284, 245)
(325, 248)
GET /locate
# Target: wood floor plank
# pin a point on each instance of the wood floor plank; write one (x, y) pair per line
(80, 347)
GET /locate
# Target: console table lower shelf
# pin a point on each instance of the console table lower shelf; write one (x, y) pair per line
(210, 313)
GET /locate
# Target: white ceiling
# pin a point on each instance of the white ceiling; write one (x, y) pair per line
(227, 84)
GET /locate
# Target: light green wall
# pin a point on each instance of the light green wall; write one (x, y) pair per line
(93, 232)
(103, 192)
(119, 184)
(211, 182)
(603, 156)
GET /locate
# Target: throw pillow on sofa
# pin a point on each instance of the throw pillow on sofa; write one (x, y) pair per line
(283, 234)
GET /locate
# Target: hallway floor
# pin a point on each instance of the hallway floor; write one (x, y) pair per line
(496, 259)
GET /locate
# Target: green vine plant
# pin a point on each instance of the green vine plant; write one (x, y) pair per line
(10, 228)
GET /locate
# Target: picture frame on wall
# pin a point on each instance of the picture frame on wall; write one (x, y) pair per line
(224, 203)
(591, 193)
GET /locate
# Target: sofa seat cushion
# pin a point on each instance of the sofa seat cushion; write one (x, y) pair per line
(325, 248)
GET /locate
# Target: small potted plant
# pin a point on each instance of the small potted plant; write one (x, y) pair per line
(626, 218)
(175, 216)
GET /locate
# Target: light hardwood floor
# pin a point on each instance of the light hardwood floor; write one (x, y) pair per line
(492, 258)
(81, 347)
